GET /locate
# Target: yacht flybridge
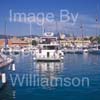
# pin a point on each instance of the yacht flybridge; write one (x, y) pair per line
(48, 49)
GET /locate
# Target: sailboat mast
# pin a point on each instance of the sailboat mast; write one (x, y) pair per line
(5, 32)
(97, 21)
(81, 27)
(43, 30)
(56, 26)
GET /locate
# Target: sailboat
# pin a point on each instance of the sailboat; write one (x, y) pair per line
(6, 49)
(95, 48)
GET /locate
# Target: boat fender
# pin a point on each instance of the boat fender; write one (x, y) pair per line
(3, 78)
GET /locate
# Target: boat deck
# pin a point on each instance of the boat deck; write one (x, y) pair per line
(48, 60)
(6, 62)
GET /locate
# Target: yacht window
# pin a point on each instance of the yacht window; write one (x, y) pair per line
(98, 47)
(6, 48)
(50, 47)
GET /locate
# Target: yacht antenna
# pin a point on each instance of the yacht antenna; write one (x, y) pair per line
(30, 29)
(43, 30)
(56, 26)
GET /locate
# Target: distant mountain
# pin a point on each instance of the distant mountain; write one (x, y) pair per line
(5, 36)
(9, 36)
(29, 36)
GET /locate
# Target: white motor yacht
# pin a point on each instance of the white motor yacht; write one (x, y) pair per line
(48, 50)
(6, 50)
(94, 49)
(16, 50)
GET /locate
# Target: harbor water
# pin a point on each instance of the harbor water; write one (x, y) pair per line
(75, 67)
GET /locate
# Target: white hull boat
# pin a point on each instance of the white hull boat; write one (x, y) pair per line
(48, 51)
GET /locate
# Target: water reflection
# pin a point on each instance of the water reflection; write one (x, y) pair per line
(74, 65)
(6, 93)
(48, 70)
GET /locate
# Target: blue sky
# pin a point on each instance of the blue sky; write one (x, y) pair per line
(87, 10)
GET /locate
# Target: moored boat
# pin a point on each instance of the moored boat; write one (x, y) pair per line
(94, 49)
(6, 50)
(16, 50)
(48, 50)
(4, 60)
